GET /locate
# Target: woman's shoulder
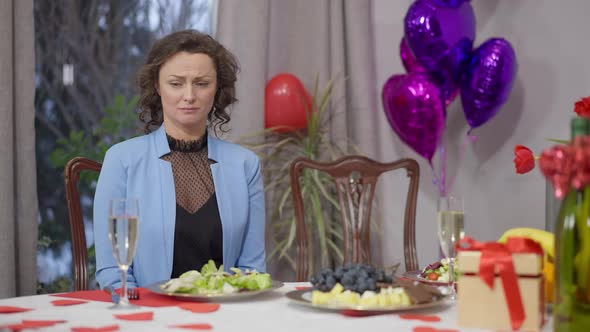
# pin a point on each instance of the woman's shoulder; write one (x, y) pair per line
(132, 144)
(225, 149)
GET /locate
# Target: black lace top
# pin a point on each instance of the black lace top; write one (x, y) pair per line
(198, 234)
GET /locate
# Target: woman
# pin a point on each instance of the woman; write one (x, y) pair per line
(200, 198)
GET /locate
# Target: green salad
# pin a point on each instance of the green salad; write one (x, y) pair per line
(212, 280)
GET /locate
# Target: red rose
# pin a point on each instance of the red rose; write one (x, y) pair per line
(582, 107)
(524, 159)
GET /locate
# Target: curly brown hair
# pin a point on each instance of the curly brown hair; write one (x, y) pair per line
(190, 41)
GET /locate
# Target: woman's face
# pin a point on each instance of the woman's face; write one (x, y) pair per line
(187, 84)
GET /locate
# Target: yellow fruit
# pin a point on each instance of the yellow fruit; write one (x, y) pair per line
(544, 238)
(549, 272)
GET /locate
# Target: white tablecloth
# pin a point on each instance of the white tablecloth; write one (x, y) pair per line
(270, 312)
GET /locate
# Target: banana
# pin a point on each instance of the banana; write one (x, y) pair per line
(544, 238)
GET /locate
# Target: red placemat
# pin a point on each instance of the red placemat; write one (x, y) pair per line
(146, 297)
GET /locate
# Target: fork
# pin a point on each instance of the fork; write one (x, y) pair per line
(133, 294)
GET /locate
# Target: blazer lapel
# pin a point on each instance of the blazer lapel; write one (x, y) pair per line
(168, 218)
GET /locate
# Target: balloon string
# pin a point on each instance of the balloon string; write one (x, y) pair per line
(443, 170)
(435, 180)
(468, 138)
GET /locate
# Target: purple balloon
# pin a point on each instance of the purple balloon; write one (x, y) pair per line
(488, 81)
(408, 60)
(441, 38)
(449, 3)
(415, 110)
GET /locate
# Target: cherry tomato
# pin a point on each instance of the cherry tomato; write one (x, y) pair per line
(433, 276)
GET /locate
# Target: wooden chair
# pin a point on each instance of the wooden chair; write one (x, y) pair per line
(72, 176)
(355, 178)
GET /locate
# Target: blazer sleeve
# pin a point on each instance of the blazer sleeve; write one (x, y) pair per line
(112, 183)
(253, 253)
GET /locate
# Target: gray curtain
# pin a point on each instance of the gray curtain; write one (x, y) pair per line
(18, 197)
(329, 38)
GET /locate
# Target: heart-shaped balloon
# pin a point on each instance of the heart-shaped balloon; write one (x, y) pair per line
(449, 3)
(441, 38)
(286, 103)
(408, 59)
(450, 87)
(415, 110)
(488, 81)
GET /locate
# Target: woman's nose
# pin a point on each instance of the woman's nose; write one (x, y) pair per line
(189, 94)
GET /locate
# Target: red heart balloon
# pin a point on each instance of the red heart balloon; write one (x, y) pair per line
(286, 103)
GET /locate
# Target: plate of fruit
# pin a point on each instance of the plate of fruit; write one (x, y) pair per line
(436, 273)
(364, 288)
(212, 283)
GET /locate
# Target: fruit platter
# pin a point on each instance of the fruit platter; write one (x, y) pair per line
(362, 287)
(215, 283)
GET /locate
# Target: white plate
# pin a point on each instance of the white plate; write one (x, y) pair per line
(304, 297)
(212, 297)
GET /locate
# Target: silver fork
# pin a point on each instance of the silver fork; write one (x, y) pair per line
(132, 294)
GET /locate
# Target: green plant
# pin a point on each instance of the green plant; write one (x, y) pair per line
(277, 152)
(117, 125)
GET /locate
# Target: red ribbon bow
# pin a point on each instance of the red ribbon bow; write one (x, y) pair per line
(497, 254)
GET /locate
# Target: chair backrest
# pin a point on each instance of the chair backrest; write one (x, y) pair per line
(72, 176)
(355, 178)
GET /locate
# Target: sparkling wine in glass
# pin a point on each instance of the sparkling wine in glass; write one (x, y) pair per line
(451, 223)
(124, 232)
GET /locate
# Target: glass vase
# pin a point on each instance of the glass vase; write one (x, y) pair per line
(572, 300)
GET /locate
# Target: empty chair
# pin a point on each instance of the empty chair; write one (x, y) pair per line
(355, 178)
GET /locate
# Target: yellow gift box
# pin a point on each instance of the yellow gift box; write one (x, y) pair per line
(501, 286)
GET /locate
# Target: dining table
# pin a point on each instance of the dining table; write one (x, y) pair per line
(272, 311)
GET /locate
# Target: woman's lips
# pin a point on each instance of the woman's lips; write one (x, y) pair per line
(188, 109)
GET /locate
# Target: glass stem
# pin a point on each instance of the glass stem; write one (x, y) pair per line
(124, 300)
(452, 278)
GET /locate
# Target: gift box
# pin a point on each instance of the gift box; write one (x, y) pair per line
(501, 286)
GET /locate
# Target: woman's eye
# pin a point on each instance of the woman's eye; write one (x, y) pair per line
(202, 84)
(175, 84)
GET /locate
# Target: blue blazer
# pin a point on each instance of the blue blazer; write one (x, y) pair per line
(133, 169)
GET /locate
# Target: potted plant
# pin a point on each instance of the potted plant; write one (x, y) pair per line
(277, 151)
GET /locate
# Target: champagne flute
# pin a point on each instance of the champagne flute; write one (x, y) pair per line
(123, 232)
(450, 220)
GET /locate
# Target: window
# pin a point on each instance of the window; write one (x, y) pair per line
(87, 57)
